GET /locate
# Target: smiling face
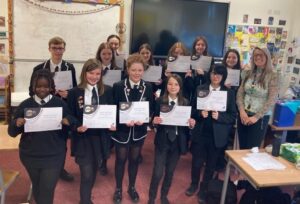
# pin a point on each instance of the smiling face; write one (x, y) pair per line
(173, 87)
(106, 56)
(177, 52)
(200, 47)
(135, 72)
(57, 51)
(93, 76)
(231, 60)
(146, 54)
(114, 43)
(42, 88)
(260, 58)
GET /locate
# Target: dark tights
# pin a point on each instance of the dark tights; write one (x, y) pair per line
(122, 153)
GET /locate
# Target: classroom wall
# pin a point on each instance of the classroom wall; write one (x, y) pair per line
(283, 10)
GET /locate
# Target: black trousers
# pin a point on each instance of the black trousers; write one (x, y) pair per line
(252, 135)
(43, 181)
(165, 162)
(204, 152)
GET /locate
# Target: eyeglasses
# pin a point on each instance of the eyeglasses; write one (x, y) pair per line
(259, 55)
(57, 48)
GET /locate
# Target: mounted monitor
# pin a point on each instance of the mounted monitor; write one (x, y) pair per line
(164, 22)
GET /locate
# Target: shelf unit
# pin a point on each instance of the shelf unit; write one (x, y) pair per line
(4, 97)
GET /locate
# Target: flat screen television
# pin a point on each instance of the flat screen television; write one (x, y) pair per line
(161, 23)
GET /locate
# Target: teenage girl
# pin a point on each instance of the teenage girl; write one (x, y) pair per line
(129, 138)
(211, 132)
(42, 153)
(170, 141)
(87, 144)
(200, 48)
(188, 84)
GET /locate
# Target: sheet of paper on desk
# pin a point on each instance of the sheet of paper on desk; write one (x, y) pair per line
(263, 161)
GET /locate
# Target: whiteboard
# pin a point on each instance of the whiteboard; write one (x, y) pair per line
(33, 27)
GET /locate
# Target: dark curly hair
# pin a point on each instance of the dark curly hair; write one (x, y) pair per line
(42, 74)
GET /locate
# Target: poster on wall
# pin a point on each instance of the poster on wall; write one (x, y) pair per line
(2, 21)
(282, 22)
(245, 18)
(2, 48)
(257, 21)
(270, 20)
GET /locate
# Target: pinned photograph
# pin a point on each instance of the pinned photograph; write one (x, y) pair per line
(283, 44)
(257, 20)
(284, 34)
(2, 48)
(297, 61)
(282, 22)
(2, 21)
(245, 18)
(270, 20)
(296, 70)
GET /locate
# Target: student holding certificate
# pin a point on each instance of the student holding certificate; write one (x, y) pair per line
(211, 132)
(129, 137)
(255, 99)
(200, 48)
(57, 65)
(88, 145)
(170, 141)
(43, 152)
(179, 49)
(232, 61)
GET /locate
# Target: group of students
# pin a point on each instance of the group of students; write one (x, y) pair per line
(43, 153)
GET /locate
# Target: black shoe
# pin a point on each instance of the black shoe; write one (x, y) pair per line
(117, 196)
(133, 194)
(103, 170)
(191, 190)
(151, 201)
(66, 176)
(164, 200)
(201, 197)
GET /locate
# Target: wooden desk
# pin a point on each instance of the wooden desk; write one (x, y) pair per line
(284, 131)
(7, 142)
(258, 179)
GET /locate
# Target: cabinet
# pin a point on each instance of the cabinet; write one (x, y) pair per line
(4, 97)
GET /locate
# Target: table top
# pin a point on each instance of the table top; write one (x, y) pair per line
(7, 142)
(276, 128)
(266, 178)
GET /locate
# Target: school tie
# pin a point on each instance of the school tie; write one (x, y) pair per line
(135, 92)
(43, 102)
(106, 68)
(214, 89)
(56, 69)
(94, 97)
(172, 129)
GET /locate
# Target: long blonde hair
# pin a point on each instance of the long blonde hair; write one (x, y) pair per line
(268, 69)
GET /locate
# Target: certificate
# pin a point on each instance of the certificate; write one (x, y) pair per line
(99, 116)
(152, 74)
(181, 64)
(214, 100)
(111, 76)
(175, 115)
(233, 77)
(136, 111)
(42, 119)
(63, 80)
(120, 60)
(202, 62)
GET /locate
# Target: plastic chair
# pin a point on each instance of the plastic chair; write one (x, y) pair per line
(7, 177)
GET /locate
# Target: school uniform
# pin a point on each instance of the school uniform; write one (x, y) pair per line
(129, 140)
(209, 136)
(62, 66)
(124, 92)
(89, 148)
(170, 142)
(42, 153)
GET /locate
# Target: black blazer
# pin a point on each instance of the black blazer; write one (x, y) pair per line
(76, 101)
(222, 126)
(123, 92)
(161, 139)
(65, 66)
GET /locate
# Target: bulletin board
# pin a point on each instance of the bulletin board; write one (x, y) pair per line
(83, 26)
